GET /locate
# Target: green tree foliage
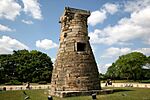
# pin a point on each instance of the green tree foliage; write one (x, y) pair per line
(25, 66)
(129, 66)
(146, 69)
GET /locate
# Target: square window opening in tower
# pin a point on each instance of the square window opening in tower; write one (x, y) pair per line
(81, 46)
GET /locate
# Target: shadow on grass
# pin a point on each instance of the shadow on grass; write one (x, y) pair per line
(121, 90)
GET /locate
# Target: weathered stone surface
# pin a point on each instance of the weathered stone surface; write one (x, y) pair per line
(83, 93)
(75, 68)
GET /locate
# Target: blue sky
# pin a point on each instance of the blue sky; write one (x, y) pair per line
(116, 27)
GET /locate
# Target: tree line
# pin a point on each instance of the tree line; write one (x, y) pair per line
(35, 66)
(25, 66)
(132, 66)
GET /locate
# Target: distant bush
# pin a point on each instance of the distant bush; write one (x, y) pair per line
(14, 82)
(42, 82)
(145, 81)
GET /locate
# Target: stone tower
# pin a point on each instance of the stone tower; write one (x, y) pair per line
(75, 68)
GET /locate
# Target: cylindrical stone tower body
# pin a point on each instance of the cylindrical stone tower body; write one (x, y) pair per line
(75, 67)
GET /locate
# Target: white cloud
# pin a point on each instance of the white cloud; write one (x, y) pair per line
(53, 60)
(9, 44)
(99, 16)
(145, 51)
(108, 65)
(102, 68)
(97, 36)
(136, 5)
(141, 18)
(46, 44)
(99, 68)
(137, 26)
(27, 21)
(111, 8)
(9, 9)
(32, 7)
(114, 52)
(4, 28)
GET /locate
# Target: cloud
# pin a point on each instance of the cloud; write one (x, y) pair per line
(32, 7)
(99, 68)
(97, 36)
(4, 28)
(102, 68)
(99, 16)
(137, 26)
(46, 44)
(114, 52)
(145, 51)
(111, 8)
(27, 21)
(9, 9)
(53, 60)
(108, 65)
(9, 44)
(136, 5)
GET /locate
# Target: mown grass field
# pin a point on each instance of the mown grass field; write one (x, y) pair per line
(119, 94)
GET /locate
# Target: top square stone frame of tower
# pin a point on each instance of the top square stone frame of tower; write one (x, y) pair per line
(74, 10)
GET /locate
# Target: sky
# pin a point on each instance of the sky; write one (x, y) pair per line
(115, 27)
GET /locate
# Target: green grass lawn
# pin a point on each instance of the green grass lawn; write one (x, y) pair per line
(19, 95)
(119, 94)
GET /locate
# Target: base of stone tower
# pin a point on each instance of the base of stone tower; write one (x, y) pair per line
(63, 94)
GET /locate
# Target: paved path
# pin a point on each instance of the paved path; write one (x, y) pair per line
(23, 87)
(139, 85)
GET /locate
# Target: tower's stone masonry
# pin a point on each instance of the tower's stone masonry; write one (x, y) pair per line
(75, 68)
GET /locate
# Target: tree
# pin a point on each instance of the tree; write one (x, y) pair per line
(129, 66)
(146, 69)
(26, 66)
(5, 67)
